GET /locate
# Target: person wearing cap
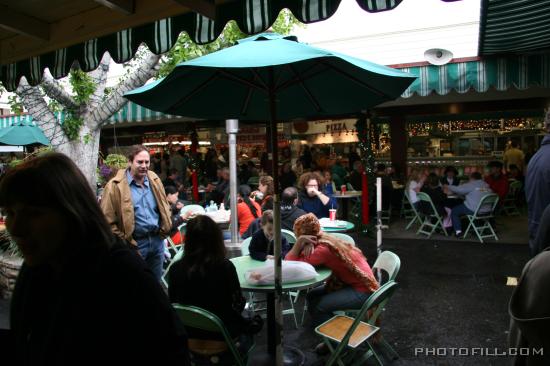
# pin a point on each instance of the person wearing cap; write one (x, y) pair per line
(497, 180)
(450, 177)
(537, 185)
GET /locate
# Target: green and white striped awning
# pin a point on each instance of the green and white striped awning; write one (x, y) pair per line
(514, 26)
(16, 120)
(129, 113)
(500, 73)
(520, 72)
(252, 16)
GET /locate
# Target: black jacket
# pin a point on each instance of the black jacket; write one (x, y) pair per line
(260, 247)
(289, 214)
(103, 307)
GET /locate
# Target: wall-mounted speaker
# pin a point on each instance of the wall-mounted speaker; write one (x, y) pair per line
(438, 56)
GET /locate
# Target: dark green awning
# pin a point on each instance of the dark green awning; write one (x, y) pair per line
(514, 26)
(500, 73)
(252, 16)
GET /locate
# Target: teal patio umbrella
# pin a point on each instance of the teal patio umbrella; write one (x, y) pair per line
(23, 134)
(273, 78)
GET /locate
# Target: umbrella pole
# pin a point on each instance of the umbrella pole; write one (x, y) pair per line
(278, 308)
(232, 128)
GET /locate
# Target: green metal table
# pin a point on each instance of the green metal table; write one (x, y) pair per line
(292, 355)
(335, 229)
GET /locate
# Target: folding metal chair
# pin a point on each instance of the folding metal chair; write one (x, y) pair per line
(198, 318)
(428, 227)
(480, 221)
(347, 337)
(411, 212)
(509, 204)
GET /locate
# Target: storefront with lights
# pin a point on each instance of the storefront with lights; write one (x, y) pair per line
(463, 113)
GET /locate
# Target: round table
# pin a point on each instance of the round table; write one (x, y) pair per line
(292, 355)
(342, 229)
(345, 198)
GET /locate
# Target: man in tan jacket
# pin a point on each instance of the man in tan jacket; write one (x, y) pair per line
(135, 205)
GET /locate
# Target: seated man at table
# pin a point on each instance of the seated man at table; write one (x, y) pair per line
(289, 211)
(473, 191)
(311, 199)
(261, 245)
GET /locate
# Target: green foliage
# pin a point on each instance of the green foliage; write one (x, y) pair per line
(82, 84)
(87, 138)
(15, 104)
(185, 49)
(71, 126)
(117, 161)
(37, 152)
(55, 106)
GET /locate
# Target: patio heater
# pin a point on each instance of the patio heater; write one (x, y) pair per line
(232, 128)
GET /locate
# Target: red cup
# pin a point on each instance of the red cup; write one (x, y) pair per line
(343, 189)
(332, 214)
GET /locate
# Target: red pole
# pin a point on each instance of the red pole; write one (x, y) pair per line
(194, 176)
(195, 181)
(365, 199)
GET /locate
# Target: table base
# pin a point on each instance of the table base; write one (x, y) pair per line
(292, 356)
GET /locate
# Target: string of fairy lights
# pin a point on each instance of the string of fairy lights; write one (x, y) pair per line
(502, 124)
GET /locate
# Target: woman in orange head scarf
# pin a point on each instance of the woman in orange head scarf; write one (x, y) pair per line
(352, 280)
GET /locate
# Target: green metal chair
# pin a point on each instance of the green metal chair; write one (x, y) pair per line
(390, 263)
(344, 237)
(509, 204)
(195, 317)
(411, 213)
(289, 235)
(427, 227)
(480, 221)
(175, 258)
(244, 246)
(347, 337)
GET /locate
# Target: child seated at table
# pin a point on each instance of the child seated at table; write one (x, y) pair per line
(261, 245)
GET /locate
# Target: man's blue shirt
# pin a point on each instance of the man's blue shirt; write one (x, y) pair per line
(146, 214)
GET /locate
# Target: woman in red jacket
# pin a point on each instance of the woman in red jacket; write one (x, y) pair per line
(247, 210)
(352, 280)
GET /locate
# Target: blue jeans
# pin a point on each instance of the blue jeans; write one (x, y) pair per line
(458, 211)
(321, 304)
(151, 249)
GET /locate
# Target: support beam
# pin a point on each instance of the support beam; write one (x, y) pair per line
(204, 7)
(124, 6)
(23, 24)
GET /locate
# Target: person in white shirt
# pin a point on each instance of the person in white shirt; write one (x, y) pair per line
(414, 184)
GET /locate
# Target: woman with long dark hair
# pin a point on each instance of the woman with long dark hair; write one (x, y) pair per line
(248, 210)
(82, 295)
(205, 278)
